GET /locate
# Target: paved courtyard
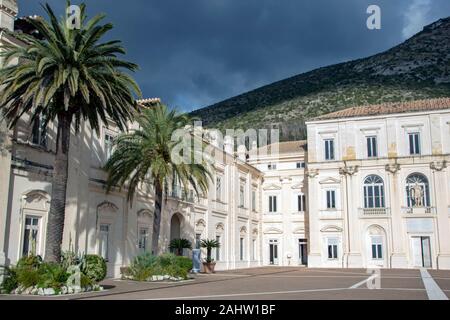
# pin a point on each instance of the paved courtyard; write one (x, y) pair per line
(273, 283)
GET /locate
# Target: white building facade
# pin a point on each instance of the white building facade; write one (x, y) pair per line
(379, 186)
(369, 187)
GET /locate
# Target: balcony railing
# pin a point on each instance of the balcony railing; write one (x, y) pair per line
(220, 206)
(182, 194)
(419, 210)
(374, 212)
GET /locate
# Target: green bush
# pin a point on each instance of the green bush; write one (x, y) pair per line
(146, 265)
(30, 261)
(10, 281)
(85, 281)
(52, 275)
(185, 263)
(145, 260)
(27, 276)
(94, 267)
(166, 259)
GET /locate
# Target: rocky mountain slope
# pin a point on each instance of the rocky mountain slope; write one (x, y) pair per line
(416, 69)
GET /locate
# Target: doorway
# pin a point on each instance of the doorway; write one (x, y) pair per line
(421, 249)
(273, 252)
(303, 251)
(175, 227)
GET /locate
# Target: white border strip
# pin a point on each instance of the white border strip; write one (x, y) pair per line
(433, 290)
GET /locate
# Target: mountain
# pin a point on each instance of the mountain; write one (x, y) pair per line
(418, 68)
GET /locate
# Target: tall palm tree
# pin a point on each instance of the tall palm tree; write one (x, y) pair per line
(68, 77)
(147, 152)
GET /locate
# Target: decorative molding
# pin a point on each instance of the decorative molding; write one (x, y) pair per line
(255, 231)
(331, 229)
(312, 173)
(272, 186)
(144, 212)
(297, 186)
(243, 231)
(392, 168)
(438, 165)
(107, 205)
(299, 230)
(330, 180)
(273, 231)
(348, 170)
(220, 227)
(200, 223)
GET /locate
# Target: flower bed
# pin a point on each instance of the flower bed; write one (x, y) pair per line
(166, 267)
(75, 274)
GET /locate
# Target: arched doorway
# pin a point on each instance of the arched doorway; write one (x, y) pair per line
(175, 227)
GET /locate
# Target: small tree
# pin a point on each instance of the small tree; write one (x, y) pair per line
(209, 245)
(178, 245)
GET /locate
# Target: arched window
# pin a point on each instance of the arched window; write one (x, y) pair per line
(417, 190)
(373, 192)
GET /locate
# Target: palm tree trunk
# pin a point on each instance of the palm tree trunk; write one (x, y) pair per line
(157, 218)
(55, 224)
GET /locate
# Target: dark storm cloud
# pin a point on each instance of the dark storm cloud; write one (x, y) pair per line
(194, 53)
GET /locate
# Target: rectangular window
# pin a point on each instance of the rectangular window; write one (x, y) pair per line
(218, 249)
(241, 249)
(377, 247)
(333, 248)
(372, 150)
(272, 166)
(198, 237)
(329, 149)
(254, 250)
(300, 165)
(241, 196)
(30, 236)
(39, 132)
(254, 200)
(104, 241)
(331, 199)
(301, 202)
(414, 143)
(219, 188)
(143, 239)
(108, 145)
(272, 203)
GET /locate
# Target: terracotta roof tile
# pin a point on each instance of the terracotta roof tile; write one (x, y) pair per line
(388, 108)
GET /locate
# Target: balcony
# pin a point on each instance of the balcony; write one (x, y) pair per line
(429, 211)
(374, 212)
(243, 211)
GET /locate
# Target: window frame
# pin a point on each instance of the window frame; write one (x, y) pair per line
(414, 143)
(330, 199)
(273, 203)
(372, 146)
(329, 149)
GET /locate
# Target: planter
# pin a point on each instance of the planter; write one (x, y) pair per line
(208, 267)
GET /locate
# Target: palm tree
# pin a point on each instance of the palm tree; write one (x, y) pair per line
(209, 245)
(147, 152)
(68, 77)
(179, 244)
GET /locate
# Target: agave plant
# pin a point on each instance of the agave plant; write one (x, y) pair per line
(178, 245)
(209, 245)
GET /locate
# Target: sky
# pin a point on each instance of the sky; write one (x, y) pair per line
(194, 53)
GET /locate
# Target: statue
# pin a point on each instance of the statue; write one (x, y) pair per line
(416, 194)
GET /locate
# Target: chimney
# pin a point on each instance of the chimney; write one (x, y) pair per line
(8, 12)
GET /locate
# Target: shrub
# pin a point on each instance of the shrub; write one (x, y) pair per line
(52, 275)
(70, 258)
(27, 276)
(94, 267)
(166, 259)
(85, 281)
(30, 261)
(185, 263)
(145, 260)
(10, 281)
